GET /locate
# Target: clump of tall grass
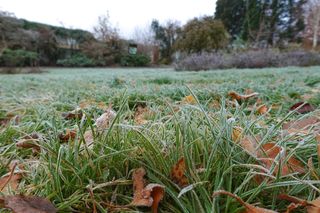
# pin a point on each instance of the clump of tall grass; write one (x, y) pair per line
(76, 177)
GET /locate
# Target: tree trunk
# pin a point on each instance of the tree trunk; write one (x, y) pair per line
(316, 30)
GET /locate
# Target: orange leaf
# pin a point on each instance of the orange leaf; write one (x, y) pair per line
(178, 173)
(69, 135)
(24, 204)
(263, 109)
(236, 134)
(271, 151)
(240, 98)
(150, 195)
(189, 99)
(249, 208)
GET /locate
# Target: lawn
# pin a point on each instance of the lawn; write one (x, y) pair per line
(164, 120)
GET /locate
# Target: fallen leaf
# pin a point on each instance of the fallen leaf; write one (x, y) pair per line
(240, 98)
(67, 136)
(189, 99)
(30, 141)
(27, 204)
(74, 114)
(8, 118)
(236, 134)
(249, 208)
(250, 145)
(88, 137)
(140, 115)
(105, 120)
(302, 107)
(178, 173)
(301, 126)
(263, 109)
(268, 155)
(10, 181)
(312, 206)
(148, 196)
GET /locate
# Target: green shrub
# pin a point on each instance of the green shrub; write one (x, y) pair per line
(18, 58)
(77, 60)
(138, 60)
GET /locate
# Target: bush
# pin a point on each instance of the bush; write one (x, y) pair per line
(77, 60)
(248, 59)
(137, 60)
(202, 34)
(18, 58)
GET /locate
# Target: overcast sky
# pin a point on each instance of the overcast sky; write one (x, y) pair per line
(125, 14)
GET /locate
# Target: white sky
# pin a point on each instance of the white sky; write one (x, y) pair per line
(125, 14)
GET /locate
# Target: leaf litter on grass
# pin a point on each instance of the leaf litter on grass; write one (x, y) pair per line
(196, 132)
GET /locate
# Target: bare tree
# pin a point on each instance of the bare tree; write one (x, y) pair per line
(104, 30)
(143, 35)
(312, 9)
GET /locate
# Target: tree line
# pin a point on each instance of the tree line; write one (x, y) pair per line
(250, 23)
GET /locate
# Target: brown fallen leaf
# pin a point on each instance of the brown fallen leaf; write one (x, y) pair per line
(105, 120)
(30, 141)
(250, 145)
(27, 204)
(302, 125)
(302, 107)
(74, 114)
(148, 196)
(178, 173)
(140, 115)
(263, 109)
(249, 208)
(68, 135)
(8, 118)
(236, 134)
(189, 99)
(10, 181)
(240, 98)
(312, 206)
(269, 153)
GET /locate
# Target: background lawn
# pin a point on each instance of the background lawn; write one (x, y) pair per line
(200, 130)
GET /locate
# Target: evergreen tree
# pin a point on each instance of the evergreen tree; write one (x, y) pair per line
(232, 14)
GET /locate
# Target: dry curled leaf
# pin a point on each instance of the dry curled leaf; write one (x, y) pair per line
(178, 173)
(312, 206)
(105, 120)
(240, 98)
(302, 107)
(30, 141)
(27, 204)
(68, 135)
(189, 99)
(248, 207)
(148, 196)
(74, 114)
